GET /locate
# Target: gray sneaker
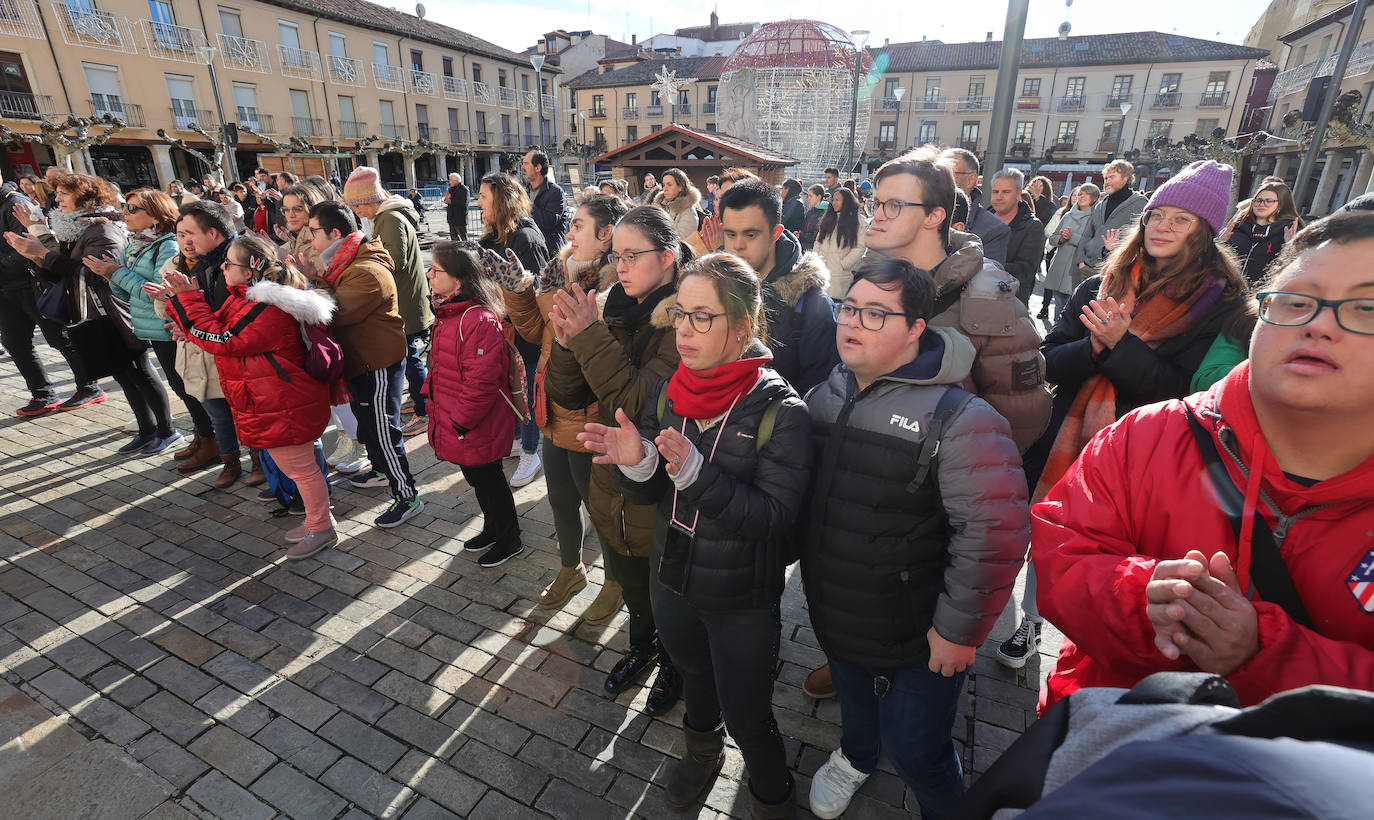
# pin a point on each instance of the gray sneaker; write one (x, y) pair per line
(312, 543)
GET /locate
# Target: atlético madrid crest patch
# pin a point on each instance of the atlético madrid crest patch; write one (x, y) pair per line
(1361, 582)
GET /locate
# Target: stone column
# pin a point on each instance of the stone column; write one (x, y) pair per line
(1364, 170)
(1281, 163)
(372, 158)
(1326, 183)
(162, 161)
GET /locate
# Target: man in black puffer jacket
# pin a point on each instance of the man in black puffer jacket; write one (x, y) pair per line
(1026, 244)
(906, 566)
(19, 315)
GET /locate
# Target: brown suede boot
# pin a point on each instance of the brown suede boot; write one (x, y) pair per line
(785, 810)
(190, 448)
(206, 454)
(696, 771)
(232, 470)
(255, 476)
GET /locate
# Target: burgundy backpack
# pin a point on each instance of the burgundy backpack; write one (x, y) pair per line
(324, 359)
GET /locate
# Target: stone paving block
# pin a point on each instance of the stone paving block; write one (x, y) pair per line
(243, 640)
(243, 613)
(133, 651)
(232, 753)
(404, 659)
(568, 764)
(126, 688)
(296, 795)
(34, 739)
(111, 720)
(169, 811)
(97, 782)
(419, 696)
(77, 655)
(448, 787)
(426, 809)
(239, 672)
(235, 710)
(362, 741)
(180, 678)
(296, 703)
(610, 751)
(173, 717)
(354, 698)
(354, 665)
(371, 790)
(490, 728)
(187, 645)
(500, 771)
(223, 798)
(421, 732)
(552, 723)
(159, 753)
(297, 746)
(496, 806)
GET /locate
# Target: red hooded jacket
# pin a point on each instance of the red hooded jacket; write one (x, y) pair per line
(467, 377)
(256, 340)
(1139, 494)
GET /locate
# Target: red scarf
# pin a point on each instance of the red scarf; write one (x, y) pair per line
(707, 394)
(343, 255)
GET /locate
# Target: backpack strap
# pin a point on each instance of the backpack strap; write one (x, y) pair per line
(1267, 569)
(951, 402)
(946, 302)
(662, 402)
(767, 423)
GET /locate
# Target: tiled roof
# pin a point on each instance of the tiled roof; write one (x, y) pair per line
(616, 49)
(382, 18)
(642, 73)
(1050, 52)
(755, 153)
(724, 31)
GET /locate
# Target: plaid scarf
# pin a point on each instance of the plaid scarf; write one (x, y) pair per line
(343, 255)
(1094, 408)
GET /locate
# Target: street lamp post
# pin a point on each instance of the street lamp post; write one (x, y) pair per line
(231, 172)
(899, 93)
(860, 40)
(1121, 137)
(538, 62)
(587, 154)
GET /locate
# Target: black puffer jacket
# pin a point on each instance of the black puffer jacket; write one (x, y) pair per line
(16, 271)
(801, 325)
(1256, 246)
(1025, 249)
(748, 500)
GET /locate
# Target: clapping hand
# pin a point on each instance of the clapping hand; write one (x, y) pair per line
(573, 312)
(712, 233)
(674, 447)
(1198, 610)
(1291, 231)
(25, 216)
(613, 445)
(101, 267)
(553, 277)
(171, 284)
(305, 264)
(282, 233)
(1111, 239)
(1107, 322)
(28, 247)
(506, 272)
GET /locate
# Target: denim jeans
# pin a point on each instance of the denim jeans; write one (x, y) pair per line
(911, 723)
(222, 420)
(415, 370)
(377, 404)
(529, 433)
(166, 352)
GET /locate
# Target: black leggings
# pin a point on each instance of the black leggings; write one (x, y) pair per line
(488, 482)
(166, 352)
(146, 395)
(18, 317)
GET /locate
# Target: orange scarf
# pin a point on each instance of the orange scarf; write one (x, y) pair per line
(1161, 317)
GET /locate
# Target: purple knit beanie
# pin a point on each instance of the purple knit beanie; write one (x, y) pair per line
(1202, 188)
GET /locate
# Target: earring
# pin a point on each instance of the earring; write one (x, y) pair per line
(739, 338)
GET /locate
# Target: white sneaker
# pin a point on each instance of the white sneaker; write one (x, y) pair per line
(343, 451)
(516, 449)
(130, 426)
(526, 470)
(834, 785)
(359, 461)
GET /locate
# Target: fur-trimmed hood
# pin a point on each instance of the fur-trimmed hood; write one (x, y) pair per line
(794, 273)
(686, 201)
(600, 278)
(312, 307)
(68, 227)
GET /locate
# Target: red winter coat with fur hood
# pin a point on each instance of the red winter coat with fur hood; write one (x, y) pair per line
(256, 340)
(470, 420)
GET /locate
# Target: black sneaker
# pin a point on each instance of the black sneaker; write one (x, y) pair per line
(136, 443)
(481, 542)
(267, 495)
(38, 405)
(400, 511)
(1015, 650)
(666, 690)
(84, 397)
(361, 480)
(501, 553)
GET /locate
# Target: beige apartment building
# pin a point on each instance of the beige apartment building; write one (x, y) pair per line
(614, 106)
(1077, 97)
(1309, 51)
(330, 71)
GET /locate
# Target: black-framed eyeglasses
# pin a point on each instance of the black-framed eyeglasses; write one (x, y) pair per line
(1265, 201)
(1285, 309)
(132, 209)
(629, 257)
(312, 230)
(701, 320)
(892, 208)
(870, 318)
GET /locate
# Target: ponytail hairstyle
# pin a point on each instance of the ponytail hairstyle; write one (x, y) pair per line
(657, 227)
(605, 210)
(262, 261)
(738, 288)
(845, 224)
(473, 285)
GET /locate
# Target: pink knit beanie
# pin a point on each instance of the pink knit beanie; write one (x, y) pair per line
(363, 187)
(1202, 188)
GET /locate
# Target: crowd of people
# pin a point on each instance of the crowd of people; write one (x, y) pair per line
(846, 375)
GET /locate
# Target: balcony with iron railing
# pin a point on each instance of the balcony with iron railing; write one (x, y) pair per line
(1106, 144)
(424, 83)
(482, 93)
(352, 129)
(1167, 100)
(629, 113)
(508, 96)
(244, 54)
(455, 88)
(1214, 99)
(885, 147)
(1028, 103)
(16, 105)
(1069, 103)
(969, 145)
(890, 104)
(458, 136)
(979, 103)
(348, 71)
(1019, 149)
(596, 114)
(388, 77)
(483, 137)
(307, 126)
(1110, 101)
(254, 119)
(94, 28)
(185, 116)
(21, 18)
(708, 108)
(510, 140)
(424, 132)
(549, 105)
(392, 131)
(1066, 143)
(683, 110)
(299, 63)
(168, 41)
(930, 102)
(653, 111)
(131, 113)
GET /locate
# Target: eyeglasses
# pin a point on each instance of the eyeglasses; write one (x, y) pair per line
(892, 208)
(133, 209)
(227, 264)
(298, 209)
(1178, 223)
(1285, 309)
(1265, 201)
(628, 257)
(701, 320)
(312, 230)
(870, 318)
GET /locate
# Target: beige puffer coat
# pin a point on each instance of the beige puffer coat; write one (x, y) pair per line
(195, 365)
